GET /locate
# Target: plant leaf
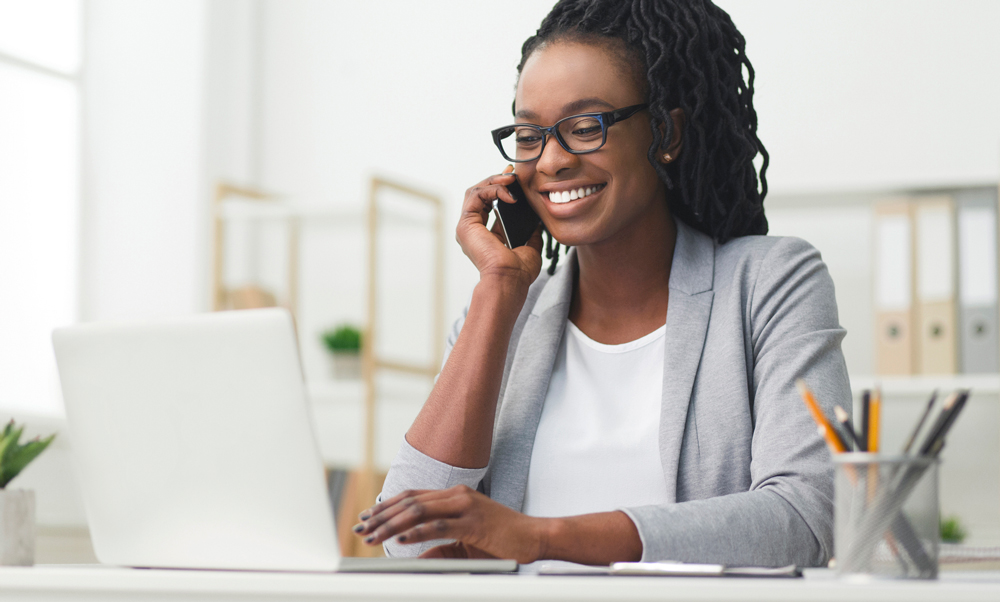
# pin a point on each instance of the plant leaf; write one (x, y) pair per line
(17, 458)
(11, 435)
(4, 444)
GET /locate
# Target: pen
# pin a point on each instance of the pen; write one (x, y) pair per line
(825, 428)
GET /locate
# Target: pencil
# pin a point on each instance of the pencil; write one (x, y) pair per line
(825, 428)
(947, 418)
(865, 411)
(938, 423)
(920, 423)
(845, 421)
(873, 421)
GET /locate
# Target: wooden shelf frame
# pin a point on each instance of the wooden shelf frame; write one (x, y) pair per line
(261, 205)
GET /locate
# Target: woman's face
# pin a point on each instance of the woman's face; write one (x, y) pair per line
(568, 78)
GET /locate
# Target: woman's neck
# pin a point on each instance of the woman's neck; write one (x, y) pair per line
(621, 290)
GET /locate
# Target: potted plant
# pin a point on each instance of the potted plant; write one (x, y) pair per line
(17, 506)
(952, 530)
(344, 344)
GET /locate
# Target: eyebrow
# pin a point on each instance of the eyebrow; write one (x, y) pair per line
(569, 109)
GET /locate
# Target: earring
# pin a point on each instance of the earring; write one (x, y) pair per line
(666, 157)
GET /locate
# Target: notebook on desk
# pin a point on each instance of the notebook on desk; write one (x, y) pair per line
(194, 449)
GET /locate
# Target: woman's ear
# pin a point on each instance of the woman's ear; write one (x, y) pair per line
(673, 148)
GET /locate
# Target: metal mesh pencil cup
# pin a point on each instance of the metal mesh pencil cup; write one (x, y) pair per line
(886, 516)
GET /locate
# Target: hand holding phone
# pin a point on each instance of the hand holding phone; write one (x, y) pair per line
(518, 221)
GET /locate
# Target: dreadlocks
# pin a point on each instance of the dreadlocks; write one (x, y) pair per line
(687, 54)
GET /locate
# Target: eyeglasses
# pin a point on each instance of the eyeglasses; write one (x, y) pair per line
(578, 134)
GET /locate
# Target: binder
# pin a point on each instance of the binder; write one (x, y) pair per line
(893, 246)
(936, 340)
(979, 342)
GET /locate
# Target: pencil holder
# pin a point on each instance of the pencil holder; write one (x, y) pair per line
(886, 516)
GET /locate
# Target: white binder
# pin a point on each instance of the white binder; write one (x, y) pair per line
(893, 247)
(977, 291)
(935, 340)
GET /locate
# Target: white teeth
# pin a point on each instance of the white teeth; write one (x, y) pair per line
(571, 195)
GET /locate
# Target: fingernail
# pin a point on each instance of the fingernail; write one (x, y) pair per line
(370, 539)
(358, 528)
(364, 516)
(401, 538)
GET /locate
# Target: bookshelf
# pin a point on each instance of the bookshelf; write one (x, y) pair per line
(347, 415)
(921, 386)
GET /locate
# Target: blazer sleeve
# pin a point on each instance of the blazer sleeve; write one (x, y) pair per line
(412, 469)
(786, 517)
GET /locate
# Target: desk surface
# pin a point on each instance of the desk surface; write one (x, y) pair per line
(53, 583)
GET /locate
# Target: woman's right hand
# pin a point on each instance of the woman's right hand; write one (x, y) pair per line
(486, 248)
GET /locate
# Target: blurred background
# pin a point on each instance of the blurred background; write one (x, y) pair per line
(168, 157)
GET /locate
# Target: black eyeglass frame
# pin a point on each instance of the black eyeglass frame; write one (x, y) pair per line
(607, 119)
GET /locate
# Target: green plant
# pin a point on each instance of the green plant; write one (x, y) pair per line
(342, 338)
(14, 456)
(952, 530)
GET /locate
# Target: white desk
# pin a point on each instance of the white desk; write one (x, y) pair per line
(79, 584)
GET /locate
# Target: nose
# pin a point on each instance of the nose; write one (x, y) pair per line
(555, 158)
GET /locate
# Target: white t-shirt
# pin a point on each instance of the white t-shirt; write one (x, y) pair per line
(597, 445)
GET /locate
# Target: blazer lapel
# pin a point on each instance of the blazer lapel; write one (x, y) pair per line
(527, 386)
(688, 313)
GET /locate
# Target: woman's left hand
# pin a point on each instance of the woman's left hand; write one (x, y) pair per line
(480, 526)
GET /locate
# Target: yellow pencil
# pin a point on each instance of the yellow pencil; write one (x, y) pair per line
(873, 420)
(825, 428)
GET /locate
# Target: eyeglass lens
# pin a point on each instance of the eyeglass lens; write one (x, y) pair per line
(524, 143)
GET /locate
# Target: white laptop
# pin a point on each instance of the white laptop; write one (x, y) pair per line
(194, 448)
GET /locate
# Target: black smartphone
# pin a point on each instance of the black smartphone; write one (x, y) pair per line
(518, 221)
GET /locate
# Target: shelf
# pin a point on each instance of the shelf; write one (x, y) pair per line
(335, 391)
(922, 386)
(329, 391)
(351, 391)
(256, 210)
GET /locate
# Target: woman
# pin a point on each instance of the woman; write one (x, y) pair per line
(638, 402)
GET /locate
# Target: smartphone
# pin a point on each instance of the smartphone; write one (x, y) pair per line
(518, 221)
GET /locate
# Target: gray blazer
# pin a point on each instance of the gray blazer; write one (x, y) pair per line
(750, 481)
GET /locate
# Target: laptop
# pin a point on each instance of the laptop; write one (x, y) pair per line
(194, 448)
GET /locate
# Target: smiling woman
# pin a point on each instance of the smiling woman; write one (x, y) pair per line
(639, 401)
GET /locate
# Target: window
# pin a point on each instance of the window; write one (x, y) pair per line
(40, 56)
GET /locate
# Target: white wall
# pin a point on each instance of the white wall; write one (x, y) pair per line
(855, 94)
(144, 212)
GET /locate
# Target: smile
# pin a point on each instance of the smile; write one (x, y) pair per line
(566, 196)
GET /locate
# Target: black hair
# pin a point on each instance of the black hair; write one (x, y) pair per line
(687, 54)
